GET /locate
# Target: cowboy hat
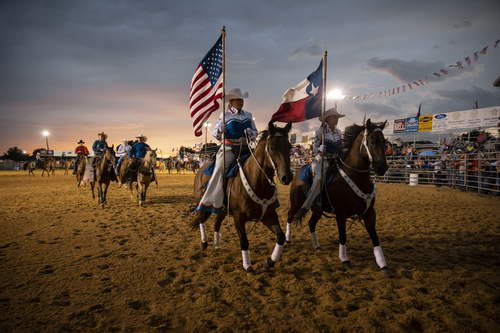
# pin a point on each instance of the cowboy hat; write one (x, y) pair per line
(102, 134)
(81, 141)
(38, 153)
(236, 94)
(142, 136)
(124, 140)
(330, 112)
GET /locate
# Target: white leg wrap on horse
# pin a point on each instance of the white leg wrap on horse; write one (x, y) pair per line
(342, 253)
(203, 232)
(288, 232)
(379, 256)
(278, 249)
(314, 240)
(217, 239)
(246, 259)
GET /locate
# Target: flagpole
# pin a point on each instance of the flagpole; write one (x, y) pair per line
(323, 107)
(224, 101)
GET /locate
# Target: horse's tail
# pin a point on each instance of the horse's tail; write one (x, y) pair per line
(25, 166)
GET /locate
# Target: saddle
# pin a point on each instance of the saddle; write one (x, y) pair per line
(130, 175)
(321, 201)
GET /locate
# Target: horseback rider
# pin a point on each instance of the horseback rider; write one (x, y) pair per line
(333, 140)
(123, 151)
(39, 161)
(237, 124)
(62, 161)
(80, 151)
(136, 154)
(98, 147)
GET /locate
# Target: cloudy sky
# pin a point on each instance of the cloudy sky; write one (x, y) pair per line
(75, 68)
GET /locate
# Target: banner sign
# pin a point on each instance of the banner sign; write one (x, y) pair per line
(425, 123)
(411, 125)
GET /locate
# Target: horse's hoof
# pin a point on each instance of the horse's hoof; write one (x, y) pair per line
(204, 245)
(141, 203)
(269, 263)
(288, 242)
(386, 272)
(318, 249)
(347, 264)
(250, 270)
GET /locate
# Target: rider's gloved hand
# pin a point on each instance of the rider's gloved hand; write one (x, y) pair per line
(322, 148)
(250, 134)
(222, 128)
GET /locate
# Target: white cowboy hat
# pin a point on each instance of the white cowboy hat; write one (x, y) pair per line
(331, 112)
(124, 140)
(102, 134)
(236, 94)
(142, 136)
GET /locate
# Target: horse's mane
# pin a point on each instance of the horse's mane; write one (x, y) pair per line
(350, 135)
(148, 159)
(277, 130)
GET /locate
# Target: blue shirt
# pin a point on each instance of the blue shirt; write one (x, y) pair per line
(138, 150)
(98, 145)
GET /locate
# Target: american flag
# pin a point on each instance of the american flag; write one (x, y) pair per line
(409, 85)
(475, 56)
(444, 71)
(421, 82)
(460, 65)
(437, 74)
(496, 43)
(483, 51)
(404, 89)
(398, 90)
(468, 60)
(416, 83)
(426, 79)
(206, 87)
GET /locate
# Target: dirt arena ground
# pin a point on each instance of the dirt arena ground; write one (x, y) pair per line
(67, 265)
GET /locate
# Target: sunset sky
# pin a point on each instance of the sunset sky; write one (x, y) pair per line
(76, 68)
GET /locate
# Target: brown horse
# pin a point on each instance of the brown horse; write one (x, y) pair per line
(103, 173)
(53, 167)
(256, 201)
(66, 166)
(46, 166)
(123, 168)
(179, 166)
(351, 190)
(170, 164)
(161, 166)
(144, 176)
(80, 171)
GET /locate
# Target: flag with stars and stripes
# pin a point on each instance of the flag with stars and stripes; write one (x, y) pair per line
(206, 87)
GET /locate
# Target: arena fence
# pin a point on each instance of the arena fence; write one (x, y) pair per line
(467, 172)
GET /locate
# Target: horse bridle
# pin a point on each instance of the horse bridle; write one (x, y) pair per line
(364, 143)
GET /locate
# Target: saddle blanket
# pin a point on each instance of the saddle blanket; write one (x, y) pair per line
(232, 172)
(307, 177)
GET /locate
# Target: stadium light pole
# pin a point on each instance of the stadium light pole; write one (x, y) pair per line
(207, 125)
(46, 138)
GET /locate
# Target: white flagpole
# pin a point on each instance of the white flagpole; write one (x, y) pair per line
(224, 101)
(323, 107)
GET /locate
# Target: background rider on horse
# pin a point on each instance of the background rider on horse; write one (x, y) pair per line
(136, 154)
(81, 151)
(123, 151)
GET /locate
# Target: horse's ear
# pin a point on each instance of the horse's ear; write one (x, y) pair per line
(113, 146)
(384, 125)
(271, 127)
(369, 123)
(288, 126)
(156, 149)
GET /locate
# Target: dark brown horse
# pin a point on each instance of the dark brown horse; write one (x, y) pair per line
(351, 190)
(123, 168)
(103, 173)
(46, 166)
(257, 200)
(143, 177)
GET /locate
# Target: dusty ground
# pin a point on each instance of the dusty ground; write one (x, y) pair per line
(68, 266)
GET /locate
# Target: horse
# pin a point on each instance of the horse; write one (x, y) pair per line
(103, 174)
(53, 167)
(179, 166)
(195, 165)
(80, 171)
(351, 190)
(170, 165)
(46, 164)
(66, 166)
(256, 201)
(144, 176)
(121, 172)
(161, 166)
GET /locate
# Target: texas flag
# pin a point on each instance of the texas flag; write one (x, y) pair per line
(303, 101)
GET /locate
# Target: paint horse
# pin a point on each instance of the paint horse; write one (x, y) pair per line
(351, 191)
(143, 177)
(252, 193)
